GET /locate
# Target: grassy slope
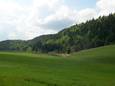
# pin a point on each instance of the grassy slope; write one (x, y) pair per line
(94, 67)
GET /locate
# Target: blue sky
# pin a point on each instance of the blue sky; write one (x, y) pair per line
(26, 19)
(81, 4)
(78, 4)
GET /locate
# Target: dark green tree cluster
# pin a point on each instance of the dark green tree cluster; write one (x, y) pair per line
(13, 45)
(93, 33)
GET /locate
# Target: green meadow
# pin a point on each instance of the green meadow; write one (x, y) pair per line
(93, 67)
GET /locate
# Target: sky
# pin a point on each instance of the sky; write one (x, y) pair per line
(26, 19)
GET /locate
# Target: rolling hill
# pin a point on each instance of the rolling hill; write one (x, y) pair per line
(94, 33)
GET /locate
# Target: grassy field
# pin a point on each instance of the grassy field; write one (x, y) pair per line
(93, 67)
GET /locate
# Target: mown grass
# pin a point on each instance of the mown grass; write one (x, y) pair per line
(93, 67)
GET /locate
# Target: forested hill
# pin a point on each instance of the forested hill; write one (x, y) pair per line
(93, 33)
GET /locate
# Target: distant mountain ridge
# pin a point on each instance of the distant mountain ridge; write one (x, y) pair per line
(93, 33)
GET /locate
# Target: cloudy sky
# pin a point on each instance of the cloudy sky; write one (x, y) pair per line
(26, 19)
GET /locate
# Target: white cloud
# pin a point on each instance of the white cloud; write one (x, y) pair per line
(59, 16)
(106, 6)
(63, 17)
(86, 14)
